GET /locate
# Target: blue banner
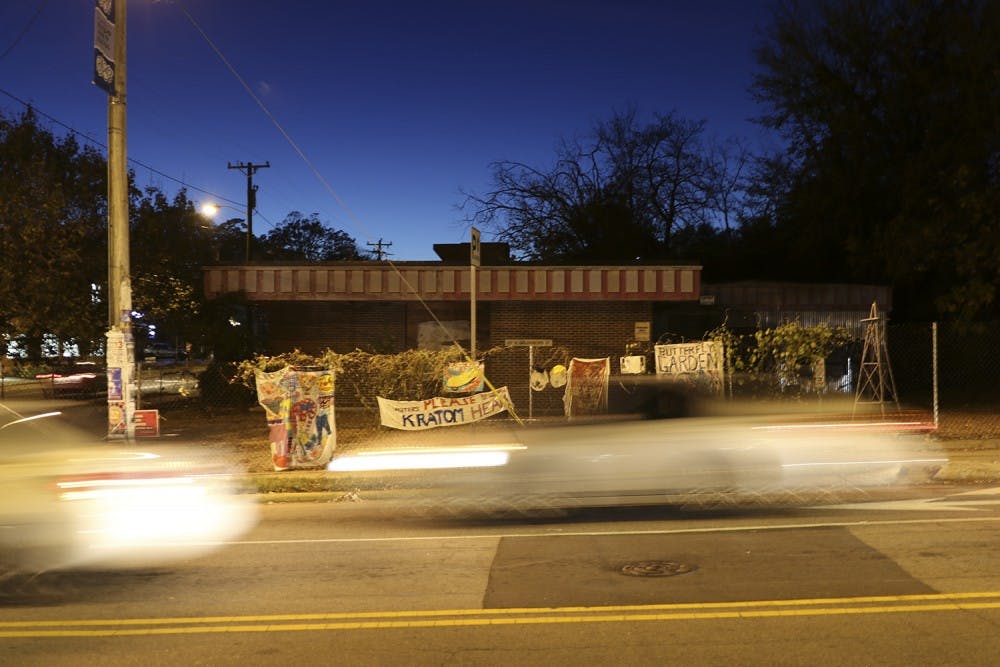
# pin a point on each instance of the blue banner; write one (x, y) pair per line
(104, 45)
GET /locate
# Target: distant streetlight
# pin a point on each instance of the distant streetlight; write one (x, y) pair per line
(210, 210)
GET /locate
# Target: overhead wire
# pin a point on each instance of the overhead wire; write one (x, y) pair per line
(353, 219)
(25, 29)
(91, 140)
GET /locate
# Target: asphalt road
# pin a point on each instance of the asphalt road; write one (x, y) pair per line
(910, 580)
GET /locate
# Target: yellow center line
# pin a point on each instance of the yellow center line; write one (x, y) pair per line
(922, 603)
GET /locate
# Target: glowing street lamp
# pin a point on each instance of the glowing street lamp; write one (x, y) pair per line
(210, 210)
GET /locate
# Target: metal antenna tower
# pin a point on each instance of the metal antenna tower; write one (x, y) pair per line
(876, 384)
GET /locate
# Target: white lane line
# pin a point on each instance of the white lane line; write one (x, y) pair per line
(611, 533)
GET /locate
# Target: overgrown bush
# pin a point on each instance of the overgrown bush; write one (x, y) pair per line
(779, 361)
(362, 376)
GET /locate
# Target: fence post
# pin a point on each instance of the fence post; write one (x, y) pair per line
(934, 369)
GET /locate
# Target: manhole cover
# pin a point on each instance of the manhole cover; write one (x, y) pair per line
(657, 568)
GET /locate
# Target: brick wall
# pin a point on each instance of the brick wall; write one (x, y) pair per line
(340, 326)
(585, 330)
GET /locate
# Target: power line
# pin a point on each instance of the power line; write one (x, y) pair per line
(103, 146)
(380, 254)
(25, 29)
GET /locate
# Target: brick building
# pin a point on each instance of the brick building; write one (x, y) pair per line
(585, 311)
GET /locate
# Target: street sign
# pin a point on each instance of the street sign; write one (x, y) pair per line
(528, 342)
(474, 254)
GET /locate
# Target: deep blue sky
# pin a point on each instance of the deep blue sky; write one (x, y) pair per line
(397, 104)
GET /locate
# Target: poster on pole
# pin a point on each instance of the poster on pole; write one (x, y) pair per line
(700, 364)
(442, 410)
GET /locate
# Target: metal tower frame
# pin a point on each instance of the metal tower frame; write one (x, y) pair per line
(876, 384)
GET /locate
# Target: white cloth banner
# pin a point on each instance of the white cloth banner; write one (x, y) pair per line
(696, 363)
(442, 411)
(587, 387)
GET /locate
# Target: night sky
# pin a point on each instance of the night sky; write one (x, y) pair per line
(397, 105)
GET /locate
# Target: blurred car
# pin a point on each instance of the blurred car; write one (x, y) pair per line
(691, 461)
(70, 503)
(82, 379)
(163, 353)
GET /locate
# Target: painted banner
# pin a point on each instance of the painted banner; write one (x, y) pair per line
(442, 411)
(464, 377)
(695, 363)
(104, 45)
(587, 387)
(300, 416)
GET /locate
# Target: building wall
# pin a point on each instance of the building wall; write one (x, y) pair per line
(576, 330)
(315, 326)
(584, 330)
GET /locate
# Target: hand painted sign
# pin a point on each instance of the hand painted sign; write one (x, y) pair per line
(442, 411)
(692, 362)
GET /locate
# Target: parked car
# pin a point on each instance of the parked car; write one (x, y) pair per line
(81, 379)
(161, 352)
(72, 502)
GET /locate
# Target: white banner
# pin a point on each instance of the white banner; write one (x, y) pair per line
(442, 411)
(692, 362)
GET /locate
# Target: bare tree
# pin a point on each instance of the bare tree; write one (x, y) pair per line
(621, 193)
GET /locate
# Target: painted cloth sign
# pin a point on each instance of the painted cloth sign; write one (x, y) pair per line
(587, 387)
(700, 363)
(300, 416)
(463, 377)
(442, 410)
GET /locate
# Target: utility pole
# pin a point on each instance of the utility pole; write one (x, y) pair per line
(109, 75)
(379, 253)
(249, 169)
(475, 257)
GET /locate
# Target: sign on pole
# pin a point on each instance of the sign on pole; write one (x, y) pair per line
(104, 45)
(474, 250)
(473, 287)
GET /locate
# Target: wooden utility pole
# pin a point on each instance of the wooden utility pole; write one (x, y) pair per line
(379, 252)
(249, 169)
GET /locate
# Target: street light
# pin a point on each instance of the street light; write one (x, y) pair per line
(210, 210)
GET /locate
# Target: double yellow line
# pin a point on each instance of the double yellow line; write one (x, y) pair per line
(932, 602)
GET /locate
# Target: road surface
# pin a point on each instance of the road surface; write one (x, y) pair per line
(912, 579)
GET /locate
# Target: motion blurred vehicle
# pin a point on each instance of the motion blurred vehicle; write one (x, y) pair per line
(701, 461)
(70, 503)
(709, 461)
(81, 379)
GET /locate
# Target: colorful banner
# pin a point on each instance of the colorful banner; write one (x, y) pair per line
(699, 363)
(299, 408)
(442, 411)
(464, 377)
(587, 387)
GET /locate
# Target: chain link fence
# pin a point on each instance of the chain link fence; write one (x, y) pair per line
(951, 372)
(945, 373)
